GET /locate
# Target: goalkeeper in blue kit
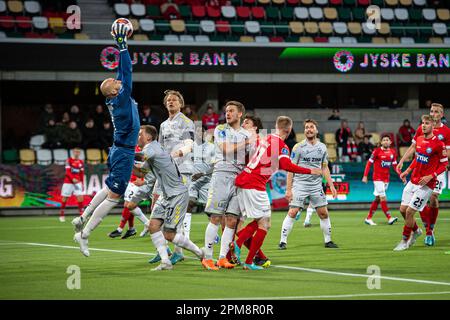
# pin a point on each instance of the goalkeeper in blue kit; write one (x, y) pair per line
(125, 119)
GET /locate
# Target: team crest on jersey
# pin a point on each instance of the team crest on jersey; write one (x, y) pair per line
(429, 150)
(440, 137)
(284, 151)
(222, 134)
(392, 156)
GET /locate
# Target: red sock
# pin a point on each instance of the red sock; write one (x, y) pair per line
(406, 232)
(424, 216)
(80, 207)
(385, 209)
(432, 217)
(373, 208)
(125, 216)
(63, 206)
(260, 254)
(131, 221)
(246, 233)
(257, 242)
(414, 229)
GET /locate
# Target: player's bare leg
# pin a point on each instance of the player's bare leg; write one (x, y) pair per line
(325, 225)
(287, 226)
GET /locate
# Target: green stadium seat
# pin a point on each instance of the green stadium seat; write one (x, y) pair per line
(411, 29)
(156, 37)
(379, 3)
(292, 39)
(185, 12)
(267, 28)
(344, 14)
(272, 13)
(359, 14)
(426, 30)
(10, 156)
(192, 26)
(415, 14)
(287, 13)
(282, 28)
(397, 29)
(237, 27)
(162, 26)
(350, 3)
(153, 11)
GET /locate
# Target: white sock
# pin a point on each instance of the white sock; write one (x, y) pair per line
(288, 223)
(95, 202)
(210, 236)
(137, 212)
(227, 237)
(309, 213)
(99, 213)
(181, 241)
(160, 243)
(177, 249)
(187, 224)
(325, 225)
(119, 229)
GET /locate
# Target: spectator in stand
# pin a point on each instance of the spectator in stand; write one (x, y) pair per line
(335, 115)
(147, 118)
(72, 135)
(65, 119)
(53, 136)
(75, 115)
(360, 132)
(351, 152)
(170, 11)
(46, 115)
(406, 134)
(365, 148)
(210, 119)
(291, 140)
(106, 136)
(395, 104)
(341, 136)
(319, 103)
(223, 116)
(90, 135)
(99, 116)
(190, 113)
(428, 104)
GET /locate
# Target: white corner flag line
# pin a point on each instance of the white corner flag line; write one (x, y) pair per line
(274, 266)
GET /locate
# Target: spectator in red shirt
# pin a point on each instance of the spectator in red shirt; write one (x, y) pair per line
(210, 119)
(406, 134)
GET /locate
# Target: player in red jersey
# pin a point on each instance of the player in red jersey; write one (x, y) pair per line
(272, 154)
(430, 212)
(382, 158)
(430, 161)
(73, 182)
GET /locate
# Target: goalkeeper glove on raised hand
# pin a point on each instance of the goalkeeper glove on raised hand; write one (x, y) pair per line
(120, 36)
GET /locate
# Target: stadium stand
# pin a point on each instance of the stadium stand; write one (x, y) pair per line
(27, 157)
(331, 21)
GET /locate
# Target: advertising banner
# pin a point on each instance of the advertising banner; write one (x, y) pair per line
(40, 186)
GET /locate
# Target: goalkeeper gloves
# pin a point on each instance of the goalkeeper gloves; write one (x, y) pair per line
(120, 36)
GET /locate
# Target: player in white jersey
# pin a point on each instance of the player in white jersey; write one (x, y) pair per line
(231, 145)
(176, 136)
(311, 153)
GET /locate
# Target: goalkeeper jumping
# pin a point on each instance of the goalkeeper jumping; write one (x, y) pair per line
(125, 119)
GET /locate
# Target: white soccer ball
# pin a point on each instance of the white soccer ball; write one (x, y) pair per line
(124, 21)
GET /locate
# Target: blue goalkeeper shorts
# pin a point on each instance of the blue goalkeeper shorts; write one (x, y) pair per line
(120, 165)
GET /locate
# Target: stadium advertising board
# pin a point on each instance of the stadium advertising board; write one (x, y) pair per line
(158, 57)
(40, 186)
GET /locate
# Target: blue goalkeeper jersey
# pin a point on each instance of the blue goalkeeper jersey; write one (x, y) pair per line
(123, 108)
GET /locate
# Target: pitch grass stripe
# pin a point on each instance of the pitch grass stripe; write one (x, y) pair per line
(362, 275)
(275, 266)
(339, 296)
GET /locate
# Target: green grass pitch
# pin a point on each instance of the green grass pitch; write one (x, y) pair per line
(306, 270)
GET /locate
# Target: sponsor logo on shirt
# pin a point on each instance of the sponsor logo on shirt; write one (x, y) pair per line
(386, 164)
(312, 159)
(440, 136)
(422, 158)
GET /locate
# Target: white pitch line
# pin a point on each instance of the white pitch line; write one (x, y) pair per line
(275, 266)
(338, 296)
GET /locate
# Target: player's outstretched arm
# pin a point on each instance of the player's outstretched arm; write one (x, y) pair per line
(287, 165)
(125, 69)
(366, 170)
